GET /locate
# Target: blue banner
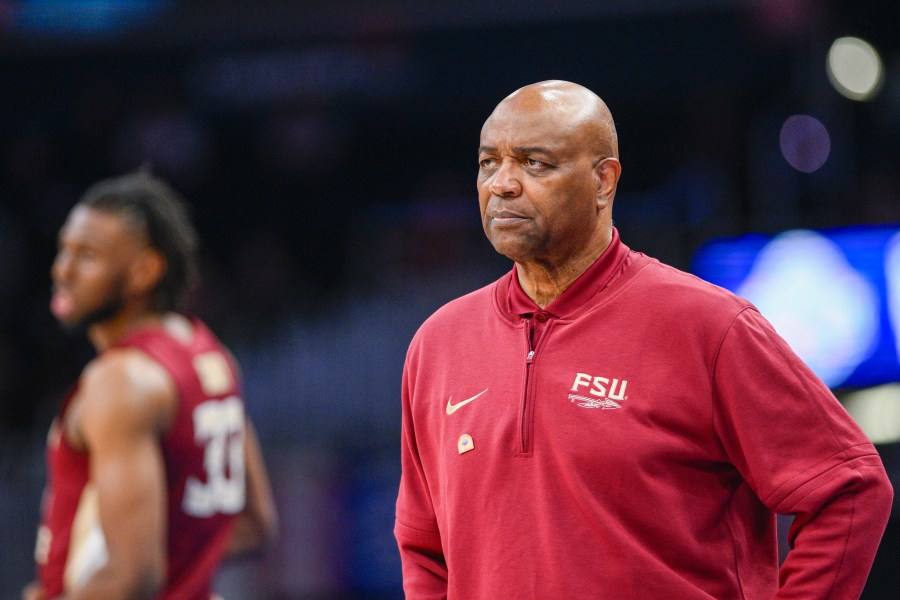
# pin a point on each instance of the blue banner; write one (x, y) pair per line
(834, 295)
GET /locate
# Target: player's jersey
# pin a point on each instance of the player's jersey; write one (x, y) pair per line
(204, 462)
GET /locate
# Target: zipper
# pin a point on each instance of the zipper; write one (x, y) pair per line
(524, 439)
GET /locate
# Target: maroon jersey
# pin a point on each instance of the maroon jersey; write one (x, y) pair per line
(204, 462)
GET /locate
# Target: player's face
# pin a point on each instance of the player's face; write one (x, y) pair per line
(91, 267)
(536, 185)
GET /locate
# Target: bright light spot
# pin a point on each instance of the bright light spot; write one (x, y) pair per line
(827, 311)
(854, 68)
(892, 282)
(877, 412)
(805, 143)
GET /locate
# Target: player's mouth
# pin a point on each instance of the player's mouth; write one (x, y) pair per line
(61, 304)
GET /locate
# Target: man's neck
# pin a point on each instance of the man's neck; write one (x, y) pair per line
(544, 282)
(106, 333)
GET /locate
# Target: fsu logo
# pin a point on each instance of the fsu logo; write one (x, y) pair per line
(598, 392)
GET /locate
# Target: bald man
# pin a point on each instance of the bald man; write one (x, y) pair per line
(595, 424)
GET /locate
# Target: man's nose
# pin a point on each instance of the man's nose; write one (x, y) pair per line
(61, 266)
(506, 180)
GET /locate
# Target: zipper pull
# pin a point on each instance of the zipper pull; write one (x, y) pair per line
(530, 356)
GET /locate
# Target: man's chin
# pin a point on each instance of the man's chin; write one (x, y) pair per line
(513, 250)
(72, 327)
(80, 326)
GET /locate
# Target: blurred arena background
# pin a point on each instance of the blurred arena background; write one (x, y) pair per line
(328, 150)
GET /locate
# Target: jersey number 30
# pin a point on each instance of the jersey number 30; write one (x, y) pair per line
(219, 428)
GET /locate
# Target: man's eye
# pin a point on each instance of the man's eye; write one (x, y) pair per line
(533, 163)
(86, 254)
(486, 163)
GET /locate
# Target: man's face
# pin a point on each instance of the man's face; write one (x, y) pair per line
(536, 183)
(90, 272)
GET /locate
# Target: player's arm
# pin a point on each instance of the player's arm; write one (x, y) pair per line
(128, 399)
(257, 524)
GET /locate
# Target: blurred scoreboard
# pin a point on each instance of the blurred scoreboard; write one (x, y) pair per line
(834, 295)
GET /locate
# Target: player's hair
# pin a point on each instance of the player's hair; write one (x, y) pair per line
(151, 205)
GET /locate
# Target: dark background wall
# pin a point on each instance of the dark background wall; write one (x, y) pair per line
(328, 150)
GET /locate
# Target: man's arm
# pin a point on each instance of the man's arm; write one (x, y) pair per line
(257, 524)
(838, 522)
(421, 554)
(803, 455)
(127, 400)
(422, 560)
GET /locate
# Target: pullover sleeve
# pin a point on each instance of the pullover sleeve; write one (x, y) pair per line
(421, 554)
(803, 455)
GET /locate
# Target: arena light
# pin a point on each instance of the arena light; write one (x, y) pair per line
(877, 412)
(805, 143)
(854, 68)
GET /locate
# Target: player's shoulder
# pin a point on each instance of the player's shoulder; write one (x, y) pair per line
(125, 364)
(127, 379)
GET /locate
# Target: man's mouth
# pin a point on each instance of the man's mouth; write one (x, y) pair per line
(506, 217)
(61, 304)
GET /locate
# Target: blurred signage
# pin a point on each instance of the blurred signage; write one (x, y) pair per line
(81, 18)
(834, 295)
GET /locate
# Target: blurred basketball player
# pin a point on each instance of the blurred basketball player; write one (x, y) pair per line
(155, 473)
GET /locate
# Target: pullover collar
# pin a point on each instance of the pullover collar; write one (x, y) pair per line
(597, 276)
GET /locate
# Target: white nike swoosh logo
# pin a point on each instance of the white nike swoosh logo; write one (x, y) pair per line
(452, 408)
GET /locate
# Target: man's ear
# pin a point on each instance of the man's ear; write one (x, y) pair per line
(146, 271)
(607, 171)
